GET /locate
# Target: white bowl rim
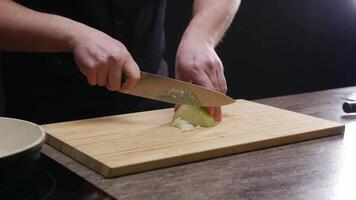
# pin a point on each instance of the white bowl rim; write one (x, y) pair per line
(33, 144)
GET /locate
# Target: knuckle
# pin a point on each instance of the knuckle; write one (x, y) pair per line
(90, 71)
(217, 65)
(125, 54)
(121, 52)
(89, 66)
(223, 89)
(119, 45)
(111, 88)
(120, 57)
(94, 67)
(113, 57)
(196, 69)
(91, 80)
(210, 62)
(135, 78)
(126, 57)
(214, 64)
(101, 58)
(92, 83)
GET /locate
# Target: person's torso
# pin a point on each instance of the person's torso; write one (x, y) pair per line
(51, 82)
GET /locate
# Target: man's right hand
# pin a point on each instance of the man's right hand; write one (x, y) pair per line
(104, 61)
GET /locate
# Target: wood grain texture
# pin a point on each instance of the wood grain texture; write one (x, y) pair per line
(124, 144)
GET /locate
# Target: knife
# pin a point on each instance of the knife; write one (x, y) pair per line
(175, 91)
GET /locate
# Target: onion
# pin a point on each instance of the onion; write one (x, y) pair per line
(187, 116)
(182, 124)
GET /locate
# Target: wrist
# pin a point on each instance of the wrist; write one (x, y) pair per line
(72, 38)
(199, 39)
(75, 33)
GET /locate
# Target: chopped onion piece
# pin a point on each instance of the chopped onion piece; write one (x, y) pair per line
(182, 124)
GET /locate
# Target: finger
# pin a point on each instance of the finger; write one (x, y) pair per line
(102, 75)
(219, 86)
(204, 80)
(176, 107)
(211, 73)
(91, 76)
(114, 78)
(217, 115)
(211, 111)
(132, 73)
(222, 86)
(218, 80)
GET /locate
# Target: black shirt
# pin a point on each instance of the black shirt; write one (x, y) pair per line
(48, 87)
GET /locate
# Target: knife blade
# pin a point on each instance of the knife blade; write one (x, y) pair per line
(174, 91)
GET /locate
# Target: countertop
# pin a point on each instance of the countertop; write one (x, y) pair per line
(317, 169)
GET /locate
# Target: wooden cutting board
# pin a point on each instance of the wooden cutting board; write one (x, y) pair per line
(124, 144)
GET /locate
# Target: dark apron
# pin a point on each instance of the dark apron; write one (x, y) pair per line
(48, 87)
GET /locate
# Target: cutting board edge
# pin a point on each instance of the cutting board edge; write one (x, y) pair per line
(78, 155)
(293, 112)
(214, 153)
(103, 117)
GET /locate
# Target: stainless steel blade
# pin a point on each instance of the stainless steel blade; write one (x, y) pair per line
(175, 91)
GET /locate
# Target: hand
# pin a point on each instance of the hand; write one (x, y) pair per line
(103, 60)
(198, 63)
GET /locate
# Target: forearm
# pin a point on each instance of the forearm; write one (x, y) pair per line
(22, 29)
(211, 18)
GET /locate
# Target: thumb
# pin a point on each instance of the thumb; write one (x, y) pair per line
(132, 73)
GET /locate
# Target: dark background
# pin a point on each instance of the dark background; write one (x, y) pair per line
(280, 47)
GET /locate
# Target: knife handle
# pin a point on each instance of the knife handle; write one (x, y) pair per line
(349, 107)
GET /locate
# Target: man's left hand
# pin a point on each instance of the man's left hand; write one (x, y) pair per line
(198, 63)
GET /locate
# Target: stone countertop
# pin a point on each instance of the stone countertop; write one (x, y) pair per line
(317, 169)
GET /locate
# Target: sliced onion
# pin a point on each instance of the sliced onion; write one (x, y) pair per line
(194, 116)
